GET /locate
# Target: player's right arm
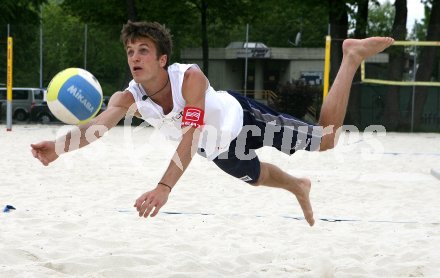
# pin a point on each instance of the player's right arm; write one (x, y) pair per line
(120, 103)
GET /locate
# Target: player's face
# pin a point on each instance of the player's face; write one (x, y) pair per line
(142, 59)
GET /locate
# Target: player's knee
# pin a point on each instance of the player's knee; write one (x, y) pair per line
(326, 146)
(264, 173)
(327, 143)
(258, 182)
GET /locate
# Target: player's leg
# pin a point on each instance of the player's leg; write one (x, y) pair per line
(335, 105)
(255, 173)
(272, 176)
(270, 128)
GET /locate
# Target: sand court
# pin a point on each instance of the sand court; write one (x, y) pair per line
(375, 199)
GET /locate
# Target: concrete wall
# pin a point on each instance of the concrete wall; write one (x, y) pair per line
(226, 74)
(223, 74)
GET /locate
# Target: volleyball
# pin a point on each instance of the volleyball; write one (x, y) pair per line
(74, 96)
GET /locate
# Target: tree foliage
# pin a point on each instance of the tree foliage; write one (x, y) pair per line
(69, 42)
(193, 23)
(396, 64)
(381, 19)
(20, 11)
(277, 23)
(23, 18)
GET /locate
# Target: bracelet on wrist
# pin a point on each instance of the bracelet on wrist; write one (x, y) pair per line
(164, 184)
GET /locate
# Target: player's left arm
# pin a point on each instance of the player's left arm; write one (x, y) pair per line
(194, 86)
(193, 90)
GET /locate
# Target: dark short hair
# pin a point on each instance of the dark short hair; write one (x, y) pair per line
(157, 32)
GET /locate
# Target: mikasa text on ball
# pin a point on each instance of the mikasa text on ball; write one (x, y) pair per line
(74, 96)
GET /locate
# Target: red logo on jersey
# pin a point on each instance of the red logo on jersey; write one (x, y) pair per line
(192, 116)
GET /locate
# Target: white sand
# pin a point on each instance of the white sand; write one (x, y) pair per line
(75, 217)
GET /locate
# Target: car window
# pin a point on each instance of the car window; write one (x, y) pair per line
(20, 94)
(38, 95)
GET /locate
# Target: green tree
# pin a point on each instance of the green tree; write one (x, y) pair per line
(63, 41)
(213, 14)
(361, 17)
(23, 19)
(359, 12)
(396, 66)
(338, 20)
(64, 46)
(380, 19)
(20, 11)
(179, 16)
(277, 23)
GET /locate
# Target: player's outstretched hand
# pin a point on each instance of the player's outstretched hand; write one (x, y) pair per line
(44, 151)
(154, 199)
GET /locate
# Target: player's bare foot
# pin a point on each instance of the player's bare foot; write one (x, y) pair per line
(302, 192)
(359, 50)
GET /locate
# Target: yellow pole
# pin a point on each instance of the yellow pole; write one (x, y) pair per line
(326, 67)
(362, 71)
(9, 86)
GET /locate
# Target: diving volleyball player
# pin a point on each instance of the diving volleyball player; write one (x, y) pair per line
(178, 100)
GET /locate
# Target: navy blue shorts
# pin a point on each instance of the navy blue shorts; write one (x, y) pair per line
(263, 126)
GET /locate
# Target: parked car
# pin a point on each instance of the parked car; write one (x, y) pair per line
(41, 113)
(23, 99)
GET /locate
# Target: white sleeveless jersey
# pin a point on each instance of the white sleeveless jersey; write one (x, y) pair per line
(223, 118)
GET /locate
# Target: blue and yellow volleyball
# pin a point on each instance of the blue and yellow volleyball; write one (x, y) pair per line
(74, 96)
